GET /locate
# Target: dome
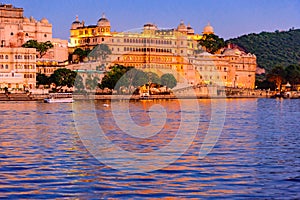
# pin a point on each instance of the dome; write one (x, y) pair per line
(182, 27)
(26, 20)
(76, 20)
(208, 29)
(103, 21)
(44, 21)
(150, 26)
(76, 23)
(190, 30)
(31, 19)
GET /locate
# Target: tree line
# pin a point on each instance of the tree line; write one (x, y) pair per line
(117, 78)
(279, 75)
(131, 78)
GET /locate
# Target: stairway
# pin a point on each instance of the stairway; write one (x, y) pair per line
(15, 97)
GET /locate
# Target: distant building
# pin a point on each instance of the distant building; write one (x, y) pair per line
(17, 68)
(15, 30)
(162, 50)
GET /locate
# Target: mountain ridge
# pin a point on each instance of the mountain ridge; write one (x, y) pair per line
(271, 48)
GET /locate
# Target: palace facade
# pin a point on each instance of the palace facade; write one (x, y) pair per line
(15, 30)
(163, 50)
(17, 68)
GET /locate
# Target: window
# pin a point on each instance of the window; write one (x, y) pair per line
(11, 33)
(45, 35)
(6, 56)
(102, 39)
(6, 66)
(26, 34)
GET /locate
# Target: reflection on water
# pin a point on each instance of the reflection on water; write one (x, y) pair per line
(256, 156)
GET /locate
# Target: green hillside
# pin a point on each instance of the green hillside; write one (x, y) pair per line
(272, 48)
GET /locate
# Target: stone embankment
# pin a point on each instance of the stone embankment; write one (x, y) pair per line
(188, 93)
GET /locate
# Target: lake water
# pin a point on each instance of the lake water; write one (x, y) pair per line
(257, 156)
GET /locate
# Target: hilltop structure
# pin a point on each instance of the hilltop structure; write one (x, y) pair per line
(161, 50)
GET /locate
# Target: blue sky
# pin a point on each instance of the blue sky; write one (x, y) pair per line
(230, 18)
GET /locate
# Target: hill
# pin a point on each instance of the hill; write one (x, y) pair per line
(272, 48)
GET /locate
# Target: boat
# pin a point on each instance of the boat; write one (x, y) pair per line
(59, 98)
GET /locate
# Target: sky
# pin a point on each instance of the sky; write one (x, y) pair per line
(230, 18)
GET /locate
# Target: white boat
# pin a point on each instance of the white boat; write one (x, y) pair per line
(59, 98)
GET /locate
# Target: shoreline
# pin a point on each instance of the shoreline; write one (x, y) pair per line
(41, 97)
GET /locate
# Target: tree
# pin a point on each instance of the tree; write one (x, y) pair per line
(112, 77)
(127, 77)
(63, 77)
(41, 47)
(153, 78)
(91, 82)
(81, 53)
(135, 77)
(277, 75)
(168, 80)
(42, 79)
(78, 84)
(292, 74)
(100, 52)
(211, 42)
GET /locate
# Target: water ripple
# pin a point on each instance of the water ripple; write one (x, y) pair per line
(256, 156)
